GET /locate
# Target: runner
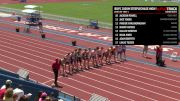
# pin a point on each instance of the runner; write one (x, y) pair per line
(124, 52)
(76, 60)
(73, 62)
(98, 56)
(62, 63)
(67, 63)
(102, 56)
(94, 57)
(107, 55)
(85, 58)
(89, 57)
(79, 59)
(113, 53)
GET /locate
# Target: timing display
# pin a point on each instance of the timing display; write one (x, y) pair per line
(145, 25)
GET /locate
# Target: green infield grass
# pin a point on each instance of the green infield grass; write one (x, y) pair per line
(100, 10)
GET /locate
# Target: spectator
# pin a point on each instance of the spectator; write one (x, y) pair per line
(4, 88)
(15, 97)
(7, 83)
(19, 92)
(145, 50)
(159, 60)
(51, 96)
(48, 99)
(43, 96)
(8, 96)
(157, 49)
(55, 68)
(24, 98)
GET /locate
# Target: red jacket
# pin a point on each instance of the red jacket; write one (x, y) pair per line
(56, 66)
(2, 92)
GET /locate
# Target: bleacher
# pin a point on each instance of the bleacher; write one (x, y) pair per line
(33, 87)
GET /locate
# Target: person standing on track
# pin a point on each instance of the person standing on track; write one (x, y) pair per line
(145, 50)
(55, 68)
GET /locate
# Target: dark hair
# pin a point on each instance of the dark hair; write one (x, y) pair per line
(8, 86)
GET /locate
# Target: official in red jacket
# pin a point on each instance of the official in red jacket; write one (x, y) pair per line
(55, 68)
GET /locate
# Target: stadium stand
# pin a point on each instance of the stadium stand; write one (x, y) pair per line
(28, 86)
(32, 87)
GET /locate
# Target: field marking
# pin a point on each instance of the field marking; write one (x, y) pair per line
(25, 52)
(132, 84)
(26, 63)
(43, 42)
(24, 68)
(17, 41)
(117, 87)
(153, 70)
(24, 57)
(138, 76)
(30, 50)
(149, 74)
(101, 89)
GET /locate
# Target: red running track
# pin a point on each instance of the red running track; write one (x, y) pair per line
(119, 82)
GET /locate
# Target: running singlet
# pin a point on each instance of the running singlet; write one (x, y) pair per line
(93, 53)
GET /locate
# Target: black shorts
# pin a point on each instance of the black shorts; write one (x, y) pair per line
(93, 57)
(99, 55)
(72, 61)
(79, 59)
(67, 62)
(113, 53)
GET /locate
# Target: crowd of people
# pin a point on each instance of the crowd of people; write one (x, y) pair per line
(8, 93)
(83, 59)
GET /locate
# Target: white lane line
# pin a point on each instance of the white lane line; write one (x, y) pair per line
(117, 87)
(149, 74)
(101, 89)
(152, 70)
(25, 68)
(44, 43)
(131, 84)
(24, 43)
(26, 52)
(29, 49)
(143, 77)
(25, 57)
(26, 63)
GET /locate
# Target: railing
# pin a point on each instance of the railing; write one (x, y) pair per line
(57, 17)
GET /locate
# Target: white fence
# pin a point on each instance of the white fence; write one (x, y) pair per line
(58, 17)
